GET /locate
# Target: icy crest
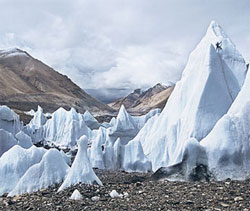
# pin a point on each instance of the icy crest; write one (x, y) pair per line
(124, 122)
(7, 114)
(96, 150)
(39, 118)
(142, 120)
(35, 128)
(123, 127)
(233, 63)
(110, 148)
(9, 120)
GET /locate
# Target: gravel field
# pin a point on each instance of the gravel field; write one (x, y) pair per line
(142, 194)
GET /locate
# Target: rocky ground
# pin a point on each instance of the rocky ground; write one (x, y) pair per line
(142, 194)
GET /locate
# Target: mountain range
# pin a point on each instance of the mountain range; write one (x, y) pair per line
(26, 82)
(141, 102)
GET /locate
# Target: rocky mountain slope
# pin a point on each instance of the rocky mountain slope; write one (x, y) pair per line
(26, 82)
(141, 102)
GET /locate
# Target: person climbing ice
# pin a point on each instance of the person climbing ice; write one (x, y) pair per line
(218, 46)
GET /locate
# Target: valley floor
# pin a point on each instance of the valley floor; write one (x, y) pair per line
(143, 194)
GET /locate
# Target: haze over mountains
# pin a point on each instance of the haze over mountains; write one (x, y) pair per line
(26, 82)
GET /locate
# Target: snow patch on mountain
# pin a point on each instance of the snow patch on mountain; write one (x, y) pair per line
(12, 52)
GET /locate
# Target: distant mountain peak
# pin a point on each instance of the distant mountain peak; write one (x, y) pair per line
(153, 90)
(137, 91)
(158, 85)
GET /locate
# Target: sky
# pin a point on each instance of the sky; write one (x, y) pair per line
(110, 47)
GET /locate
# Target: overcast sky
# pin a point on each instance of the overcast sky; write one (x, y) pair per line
(123, 44)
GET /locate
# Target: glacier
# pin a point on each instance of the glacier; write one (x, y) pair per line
(205, 126)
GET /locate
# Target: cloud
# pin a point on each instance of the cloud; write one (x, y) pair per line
(143, 66)
(118, 44)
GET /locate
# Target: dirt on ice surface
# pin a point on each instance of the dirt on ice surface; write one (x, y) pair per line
(139, 193)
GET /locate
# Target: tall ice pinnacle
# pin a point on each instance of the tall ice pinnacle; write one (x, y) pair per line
(210, 82)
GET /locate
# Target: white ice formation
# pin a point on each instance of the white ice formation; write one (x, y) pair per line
(14, 163)
(9, 120)
(7, 141)
(65, 128)
(81, 170)
(90, 121)
(210, 82)
(228, 144)
(23, 140)
(52, 169)
(76, 195)
(206, 121)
